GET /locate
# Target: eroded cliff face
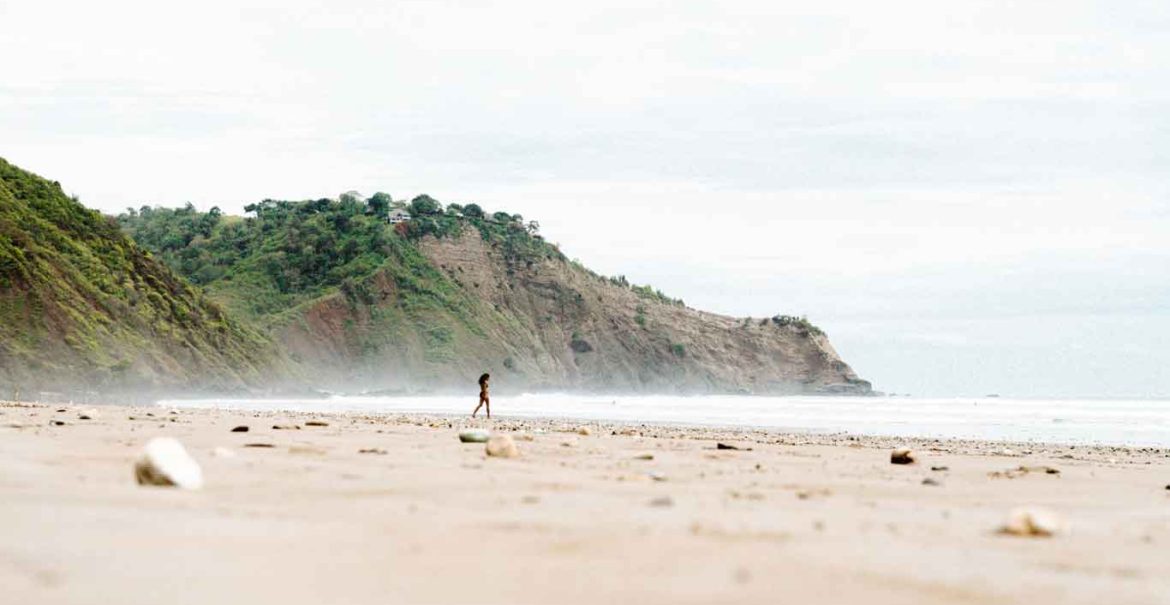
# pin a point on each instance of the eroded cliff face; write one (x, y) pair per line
(549, 324)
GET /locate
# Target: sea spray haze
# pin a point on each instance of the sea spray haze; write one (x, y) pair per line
(377, 295)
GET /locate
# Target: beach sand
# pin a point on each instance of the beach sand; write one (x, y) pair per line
(575, 519)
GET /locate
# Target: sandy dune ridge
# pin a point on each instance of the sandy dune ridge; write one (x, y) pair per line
(394, 509)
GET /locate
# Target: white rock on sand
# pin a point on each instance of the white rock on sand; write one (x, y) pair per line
(1032, 521)
(502, 446)
(165, 462)
(474, 435)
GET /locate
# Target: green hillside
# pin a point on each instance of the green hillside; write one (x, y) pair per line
(365, 294)
(83, 306)
(285, 256)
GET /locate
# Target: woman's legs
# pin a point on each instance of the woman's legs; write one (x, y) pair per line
(482, 400)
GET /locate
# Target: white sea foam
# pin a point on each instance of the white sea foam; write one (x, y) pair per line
(1080, 421)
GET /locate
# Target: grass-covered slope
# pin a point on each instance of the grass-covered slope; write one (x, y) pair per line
(359, 301)
(288, 253)
(83, 306)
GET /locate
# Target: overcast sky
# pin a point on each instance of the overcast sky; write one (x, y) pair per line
(970, 197)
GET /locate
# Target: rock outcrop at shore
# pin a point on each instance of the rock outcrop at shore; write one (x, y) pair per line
(553, 324)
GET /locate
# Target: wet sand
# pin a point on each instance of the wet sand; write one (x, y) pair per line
(423, 518)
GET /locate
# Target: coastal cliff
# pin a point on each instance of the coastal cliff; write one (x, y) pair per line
(355, 295)
(552, 324)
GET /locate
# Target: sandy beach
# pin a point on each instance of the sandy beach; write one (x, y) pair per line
(394, 509)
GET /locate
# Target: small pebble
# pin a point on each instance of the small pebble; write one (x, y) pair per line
(165, 462)
(930, 481)
(474, 435)
(662, 501)
(584, 430)
(644, 457)
(306, 449)
(902, 455)
(372, 450)
(501, 446)
(940, 468)
(240, 429)
(258, 445)
(316, 423)
(1032, 521)
(286, 427)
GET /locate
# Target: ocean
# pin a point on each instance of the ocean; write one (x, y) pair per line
(1071, 421)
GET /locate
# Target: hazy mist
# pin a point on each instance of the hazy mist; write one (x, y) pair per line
(968, 197)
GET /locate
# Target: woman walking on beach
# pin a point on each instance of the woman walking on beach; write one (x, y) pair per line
(484, 400)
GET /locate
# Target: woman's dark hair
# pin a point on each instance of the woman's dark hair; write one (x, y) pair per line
(483, 379)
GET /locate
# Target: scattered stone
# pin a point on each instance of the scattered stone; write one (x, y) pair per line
(657, 475)
(940, 468)
(1032, 521)
(523, 437)
(584, 431)
(258, 445)
(243, 428)
(644, 457)
(88, 414)
(1007, 451)
(726, 446)
(662, 501)
(1020, 471)
(474, 436)
(57, 422)
(902, 455)
(316, 423)
(306, 449)
(286, 427)
(373, 450)
(501, 446)
(930, 481)
(165, 462)
(806, 494)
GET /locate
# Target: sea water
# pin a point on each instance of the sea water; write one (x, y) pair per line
(1073, 421)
